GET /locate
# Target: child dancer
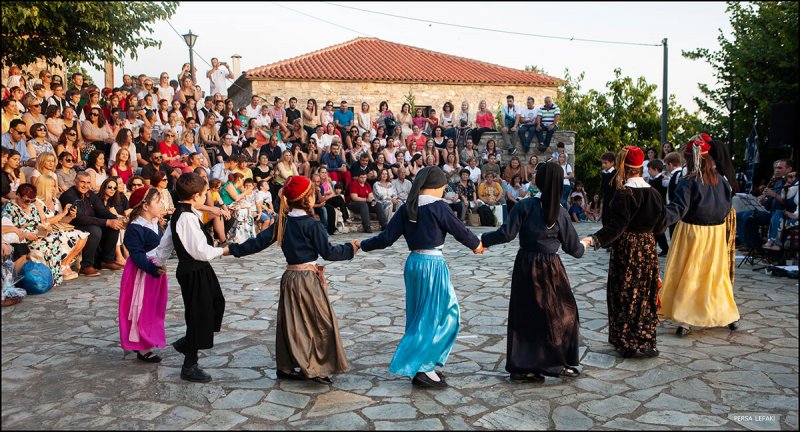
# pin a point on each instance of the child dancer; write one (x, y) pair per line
(307, 334)
(543, 327)
(202, 295)
(143, 288)
(432, 314)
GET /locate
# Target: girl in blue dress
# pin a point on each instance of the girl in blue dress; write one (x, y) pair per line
(432, 313)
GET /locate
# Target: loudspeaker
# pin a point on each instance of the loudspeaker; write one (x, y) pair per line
(783, 125)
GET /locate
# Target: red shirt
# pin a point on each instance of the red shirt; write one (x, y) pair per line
(360, 191)
(420, 142)
(169, 150)
(485, 120)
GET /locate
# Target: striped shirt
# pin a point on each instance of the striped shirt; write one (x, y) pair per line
(548, 115)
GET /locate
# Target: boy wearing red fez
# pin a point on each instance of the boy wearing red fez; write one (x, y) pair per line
(636, 213)
(302, 342)
(202, 295)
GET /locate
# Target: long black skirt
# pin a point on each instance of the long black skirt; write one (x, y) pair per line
(204, 306)
(632, 292)
(543, 323)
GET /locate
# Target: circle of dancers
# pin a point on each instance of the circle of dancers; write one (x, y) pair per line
(543, 322)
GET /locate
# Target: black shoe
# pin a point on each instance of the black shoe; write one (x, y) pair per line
(422, 380)
(178, 345)
(368, 230)
(664, 253)
(734, 325)
(322, 380)
(530, 377)
(148, 357)
(294, 375)
(649, 352)
(682, 331)
(194, 374)
(541, 148)
(570, 372)
(512, 151)
(627, 353)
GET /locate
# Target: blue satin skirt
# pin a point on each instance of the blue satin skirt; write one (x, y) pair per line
(432, 316)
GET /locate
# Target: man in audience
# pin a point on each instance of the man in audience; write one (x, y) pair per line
(401, 185)
(343, 118)
(145, 144)
(547, 123)
(15, 139)
(292, 113)
(510, 122)
(95, 218)
(363, 202)
(364, 166)
(157, 164)
(491, 166)
(254, 108)
(217, 77)
(773, 202)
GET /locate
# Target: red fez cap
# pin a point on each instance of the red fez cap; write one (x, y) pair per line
(138, 196)
(237, 122)
(635, 157)
(703, 141)
(296, 187)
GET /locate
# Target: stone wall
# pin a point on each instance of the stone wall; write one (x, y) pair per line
(354, 92)
(565, 136)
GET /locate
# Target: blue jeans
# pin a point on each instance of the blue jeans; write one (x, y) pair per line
(747, 224)
(544, 141)
(526, 133)
(323, 216)
(565, 196)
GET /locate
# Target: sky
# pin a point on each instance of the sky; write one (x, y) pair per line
(267, 32)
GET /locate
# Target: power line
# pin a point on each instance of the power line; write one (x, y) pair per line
(489, 29)
(323, 20)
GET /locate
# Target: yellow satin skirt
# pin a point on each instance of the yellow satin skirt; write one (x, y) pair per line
(697, 288)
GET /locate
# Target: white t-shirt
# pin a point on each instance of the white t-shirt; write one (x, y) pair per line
(253, 112)
(217, 79)
(167, 93)
(261, 196)
(567, 169)
(529, 115)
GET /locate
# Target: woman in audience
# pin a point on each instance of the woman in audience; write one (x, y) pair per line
(96, 132)
(70, 241)
(310, 117)
(464, 124)
(45, 166)
(189, 145)
(297, 135)
(255, 130)
(124, 140)
(431, 150)
(513, 168)
(248, 153)
(380, 134)
(530, 169)
(313, 153)
(209, 138)
(451, 168)
(71, 122)
(163, 111)
(484, 121)
(96, 167)
(364, 121)
(438, 137)
(515, 191)
(39, 143)
(405, 120)
(595, 211)
(116, 202)
(469, 152)
(54, 123)
(448, 120)
(419, 119)
(449, 149)
(67, 143)
(326, 115)
(122, 166)
(171, 153)
(233, 194)
(187, 90)
(24, 214)
(385, 193)
(65, 172)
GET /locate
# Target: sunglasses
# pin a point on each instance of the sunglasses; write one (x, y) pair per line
(136, 185)
(72, 134)
(18, 131)
(69, 160)
(110, 187)
(28, 200)
(93, 115)
(156, 157)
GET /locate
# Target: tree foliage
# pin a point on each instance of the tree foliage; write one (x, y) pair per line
(78, 31)
(759, 64)
(626, 113)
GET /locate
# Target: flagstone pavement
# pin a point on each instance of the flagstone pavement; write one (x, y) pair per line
(62, 367)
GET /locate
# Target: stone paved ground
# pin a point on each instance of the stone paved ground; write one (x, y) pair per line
(62, 367)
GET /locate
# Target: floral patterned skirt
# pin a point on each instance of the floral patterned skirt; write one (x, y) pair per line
(632, 292)
(55, 247)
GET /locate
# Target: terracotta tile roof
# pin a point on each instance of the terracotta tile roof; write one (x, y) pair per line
(372, 59)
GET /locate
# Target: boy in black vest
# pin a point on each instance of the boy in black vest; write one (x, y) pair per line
(607, 187)
(202, 295)
(657, 181)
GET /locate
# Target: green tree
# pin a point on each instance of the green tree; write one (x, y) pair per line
(627, 113)
(759, 64)
(78, 31)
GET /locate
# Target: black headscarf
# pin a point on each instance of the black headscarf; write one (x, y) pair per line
(723, 162)
(430, 177)
(550, 181)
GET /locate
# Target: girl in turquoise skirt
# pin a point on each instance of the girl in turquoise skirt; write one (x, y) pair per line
(432, 314)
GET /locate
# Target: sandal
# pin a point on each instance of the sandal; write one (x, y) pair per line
(570, 372)
(293, 375)
(148, 357)
(531, 377)
(322, 380)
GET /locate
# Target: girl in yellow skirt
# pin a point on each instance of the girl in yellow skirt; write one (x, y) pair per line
(697, 289)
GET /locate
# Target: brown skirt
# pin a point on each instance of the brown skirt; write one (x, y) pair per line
(632, 292)
(307, 335)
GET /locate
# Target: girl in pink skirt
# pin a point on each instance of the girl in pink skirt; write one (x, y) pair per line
(143, 289)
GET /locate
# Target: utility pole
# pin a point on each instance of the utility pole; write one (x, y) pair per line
(664, 96)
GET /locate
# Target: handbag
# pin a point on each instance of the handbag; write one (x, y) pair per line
(473, 219)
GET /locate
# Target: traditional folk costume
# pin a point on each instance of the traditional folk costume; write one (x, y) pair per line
(432, 313)
(543, 326)
(202, 296)
(143, 292)
(636, 213)
(307, 334)
(698, 290)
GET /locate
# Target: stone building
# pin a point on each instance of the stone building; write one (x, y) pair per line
(374, 70)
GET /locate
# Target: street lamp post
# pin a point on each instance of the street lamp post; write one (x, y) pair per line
(190, 39)
(731, 102)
